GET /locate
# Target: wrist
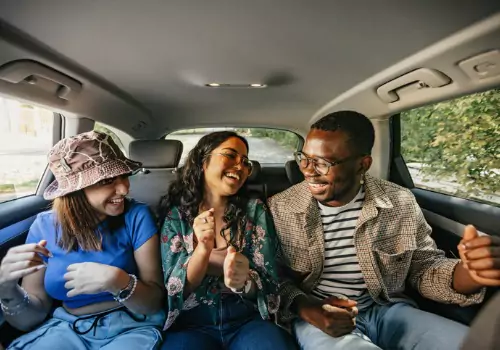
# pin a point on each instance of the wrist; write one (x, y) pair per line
(299, 303)
(10, 291)
(119, 281)
(203, 250)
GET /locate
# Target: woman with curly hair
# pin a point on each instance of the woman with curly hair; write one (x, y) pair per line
(218, 252)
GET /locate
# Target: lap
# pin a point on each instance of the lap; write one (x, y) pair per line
(52, 335)
(401, 326)
(189, 339)
(262, 335)
(311, 338)
(140, 338)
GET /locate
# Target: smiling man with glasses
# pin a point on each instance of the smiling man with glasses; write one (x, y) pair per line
(351, 243)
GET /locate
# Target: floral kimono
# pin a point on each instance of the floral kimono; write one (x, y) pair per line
(260, 246)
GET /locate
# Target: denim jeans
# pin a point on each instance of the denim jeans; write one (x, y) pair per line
(391, 327)
(236, 326)
(119, 329)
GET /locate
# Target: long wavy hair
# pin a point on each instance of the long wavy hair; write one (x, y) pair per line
(187, 191)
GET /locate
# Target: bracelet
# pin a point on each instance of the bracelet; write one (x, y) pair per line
(18, 308)
(127, 292)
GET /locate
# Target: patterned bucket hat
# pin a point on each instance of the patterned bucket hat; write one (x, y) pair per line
(84, 160)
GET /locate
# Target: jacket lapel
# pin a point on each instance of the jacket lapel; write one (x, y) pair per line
(306, 208)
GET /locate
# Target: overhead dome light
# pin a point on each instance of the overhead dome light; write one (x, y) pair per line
(244, 86)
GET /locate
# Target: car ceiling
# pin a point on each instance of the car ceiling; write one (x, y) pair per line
(309, 52)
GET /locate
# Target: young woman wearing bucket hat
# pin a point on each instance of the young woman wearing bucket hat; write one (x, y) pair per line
(96, 251)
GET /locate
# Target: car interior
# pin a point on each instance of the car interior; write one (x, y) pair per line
(158, 75)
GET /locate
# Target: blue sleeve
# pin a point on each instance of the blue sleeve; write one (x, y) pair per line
(142, 224)
(35, 233)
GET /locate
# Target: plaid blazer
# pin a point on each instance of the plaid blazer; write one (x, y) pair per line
(392, 240)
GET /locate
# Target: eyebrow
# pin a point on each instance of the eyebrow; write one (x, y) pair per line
(233, 150)
(321, 158)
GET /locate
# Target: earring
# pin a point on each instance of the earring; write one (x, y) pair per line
(362, 181)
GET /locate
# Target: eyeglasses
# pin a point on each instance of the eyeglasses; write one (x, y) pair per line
(233, 159)
(321, 166)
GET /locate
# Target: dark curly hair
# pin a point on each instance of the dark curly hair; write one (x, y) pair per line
(186, 192)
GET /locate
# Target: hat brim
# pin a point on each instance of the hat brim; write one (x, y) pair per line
(89, 177)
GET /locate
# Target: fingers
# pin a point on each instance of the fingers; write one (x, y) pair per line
(32, 247)
(70, 284)
(483, 241)
(335, 301)
(481, 253)
(470, 233)
(15, 275)
(73, 293)
(14, 258)
(484, 264)
(231, 250)
(490, 274)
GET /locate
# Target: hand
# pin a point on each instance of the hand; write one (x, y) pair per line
(93, 278)
(236, 269)
(204, 229)
(336, 317)
(481, 257)
(21, 261)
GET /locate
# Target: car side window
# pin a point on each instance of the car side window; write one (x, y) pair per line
(26, 136)
(267, 146)
(453, 147)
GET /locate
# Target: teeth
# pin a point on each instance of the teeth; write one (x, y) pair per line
(116, 201)
(233, 175)
(316, 185)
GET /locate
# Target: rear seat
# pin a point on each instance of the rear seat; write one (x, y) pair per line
(293, 172)
(160, 159)
(256, 188)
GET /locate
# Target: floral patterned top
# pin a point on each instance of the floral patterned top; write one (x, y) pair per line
(260, 245)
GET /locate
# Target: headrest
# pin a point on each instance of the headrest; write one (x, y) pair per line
(255, 176)
(156, 153)
(293, 172)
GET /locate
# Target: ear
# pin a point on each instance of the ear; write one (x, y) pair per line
(366, 163)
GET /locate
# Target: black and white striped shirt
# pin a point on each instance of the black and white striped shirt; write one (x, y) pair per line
(341, 272)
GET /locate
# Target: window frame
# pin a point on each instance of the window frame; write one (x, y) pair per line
(399, 172)
(46, 176)
(300, 138)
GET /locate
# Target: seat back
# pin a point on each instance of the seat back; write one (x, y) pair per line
(160, 159)
(255, 186)
(293, 172)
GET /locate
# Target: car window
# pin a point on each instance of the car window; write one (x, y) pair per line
(267, 146)
(26, 136)
(107, 130)
(453, 147)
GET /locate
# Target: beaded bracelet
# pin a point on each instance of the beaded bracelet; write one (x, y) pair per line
(18, 308)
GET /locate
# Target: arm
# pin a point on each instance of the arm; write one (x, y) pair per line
(264, 270)
(148, 295)
(26, 262)
(289, 292)
(39, 302)
(431, 273)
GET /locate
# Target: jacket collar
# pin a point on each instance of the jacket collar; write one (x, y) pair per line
(302, 201)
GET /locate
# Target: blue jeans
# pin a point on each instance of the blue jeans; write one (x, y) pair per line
(391, 327)
(237, 326)
(117, 330)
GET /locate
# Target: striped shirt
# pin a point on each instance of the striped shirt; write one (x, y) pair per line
(342, 275)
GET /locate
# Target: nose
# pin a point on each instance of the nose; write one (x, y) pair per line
(122, 186)
(309, 170)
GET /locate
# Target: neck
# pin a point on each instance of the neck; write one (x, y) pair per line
(213, 200)
(346, 198)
